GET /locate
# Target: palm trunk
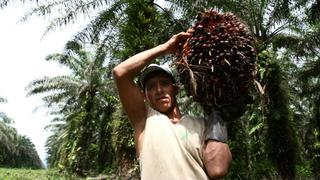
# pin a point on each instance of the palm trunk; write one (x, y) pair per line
(282, 143)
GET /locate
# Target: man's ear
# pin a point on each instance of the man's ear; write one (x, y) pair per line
(143, 94)
(145, 98)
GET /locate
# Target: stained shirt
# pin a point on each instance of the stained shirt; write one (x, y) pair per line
(172, 151)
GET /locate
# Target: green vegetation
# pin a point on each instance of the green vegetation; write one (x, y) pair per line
(31, 174)
(278, 137)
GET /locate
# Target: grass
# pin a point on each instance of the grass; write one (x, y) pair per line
(30, 174)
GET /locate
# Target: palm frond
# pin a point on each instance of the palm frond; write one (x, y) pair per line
(75, 64)
(3, 100)
(313, 12)
(68, 11)
(46, 84)
(4, 3)
(8, 136)
(188, 8)
(56, 125)
(281, 9)
(104, 22)
(302, 43)
(4, 118)
(312, 70)
(56, 98)
(285, 40)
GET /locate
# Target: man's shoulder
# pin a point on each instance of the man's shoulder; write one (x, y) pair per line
(193, 121)
(191, 117)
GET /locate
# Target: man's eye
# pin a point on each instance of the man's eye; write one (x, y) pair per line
(165, 83)
(150, 86)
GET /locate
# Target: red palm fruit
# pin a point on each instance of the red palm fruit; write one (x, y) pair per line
(217, 62)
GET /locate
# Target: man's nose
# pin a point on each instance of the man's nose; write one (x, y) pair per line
(159, 87)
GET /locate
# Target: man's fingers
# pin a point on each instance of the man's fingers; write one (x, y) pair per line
(185, 33)
(190, 30)
(177, 41)
(182, 37)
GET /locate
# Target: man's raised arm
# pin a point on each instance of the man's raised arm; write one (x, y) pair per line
(130, 94)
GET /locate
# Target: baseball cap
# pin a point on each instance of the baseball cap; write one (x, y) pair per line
(153, 68)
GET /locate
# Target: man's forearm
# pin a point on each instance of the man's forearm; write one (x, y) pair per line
(132, 66)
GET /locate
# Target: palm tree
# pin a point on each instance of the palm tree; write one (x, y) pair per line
(8, 141)
(310, 79)
(84, 100)
(305, 50)
(7, 136)
(54, 142)
(15, 150)
(3, 115)
(27, 155)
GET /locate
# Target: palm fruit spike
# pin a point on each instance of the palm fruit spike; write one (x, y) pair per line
(217, 62)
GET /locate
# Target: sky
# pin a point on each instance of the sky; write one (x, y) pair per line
(22, 59)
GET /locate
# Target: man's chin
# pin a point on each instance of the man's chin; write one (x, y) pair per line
(165, 110)
(162, 110)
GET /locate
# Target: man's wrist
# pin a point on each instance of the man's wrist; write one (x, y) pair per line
(217, 132)
(216, 127)
(164, 49)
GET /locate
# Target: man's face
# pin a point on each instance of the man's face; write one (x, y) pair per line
(160, 93)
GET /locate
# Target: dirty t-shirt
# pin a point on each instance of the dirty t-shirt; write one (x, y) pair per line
(172, 151)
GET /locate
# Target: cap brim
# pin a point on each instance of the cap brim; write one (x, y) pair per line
(150, 69)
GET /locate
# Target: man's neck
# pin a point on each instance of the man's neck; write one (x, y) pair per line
(174, 115)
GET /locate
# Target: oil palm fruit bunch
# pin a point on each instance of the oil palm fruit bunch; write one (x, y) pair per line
(217, 63)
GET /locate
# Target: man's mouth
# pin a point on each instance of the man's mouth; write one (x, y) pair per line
(163, 98)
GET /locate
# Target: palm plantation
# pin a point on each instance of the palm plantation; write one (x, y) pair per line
(15, 150)
(277, 137)
(83, 103)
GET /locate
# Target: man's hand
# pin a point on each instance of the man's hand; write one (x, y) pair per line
(174, 43)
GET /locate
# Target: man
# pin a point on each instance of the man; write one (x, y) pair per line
(168, 144)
